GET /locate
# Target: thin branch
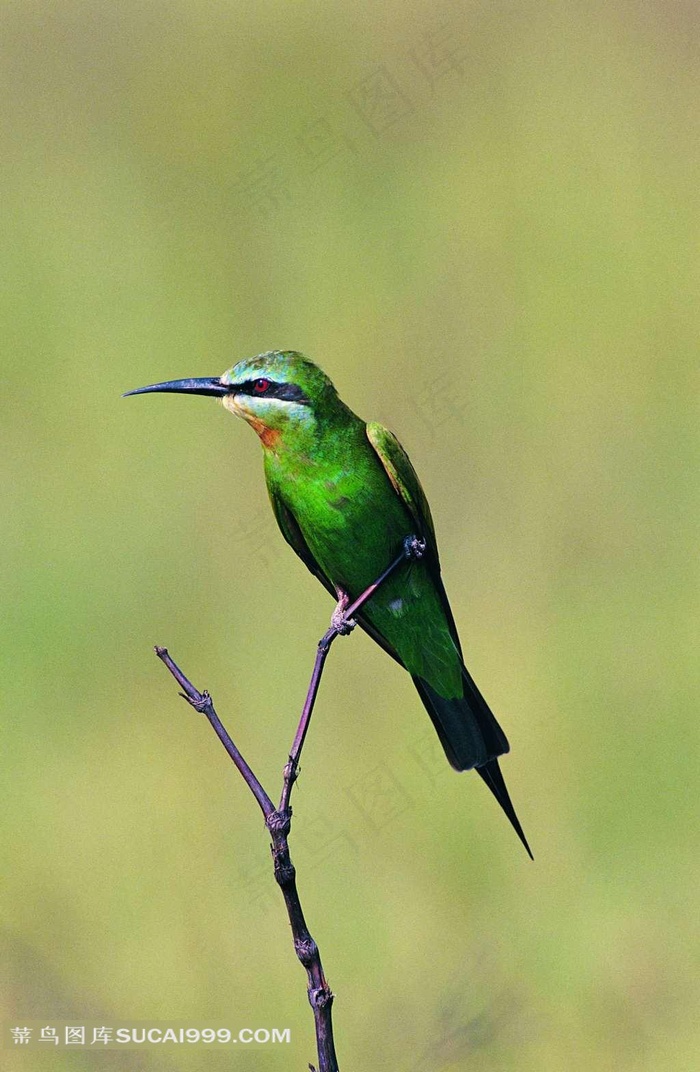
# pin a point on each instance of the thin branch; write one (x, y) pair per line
(278, 824)
(278, 821)
(412, 548)
(202, 702)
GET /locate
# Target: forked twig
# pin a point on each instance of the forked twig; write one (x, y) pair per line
(278, 820)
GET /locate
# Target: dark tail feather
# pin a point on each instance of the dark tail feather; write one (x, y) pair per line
(472, 738)
(491, 773)
(465, 724)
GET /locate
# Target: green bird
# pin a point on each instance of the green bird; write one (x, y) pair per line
(345, 496)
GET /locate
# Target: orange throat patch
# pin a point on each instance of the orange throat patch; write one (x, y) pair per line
(269, 437)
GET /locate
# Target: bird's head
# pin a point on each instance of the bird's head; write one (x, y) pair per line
(274, 392)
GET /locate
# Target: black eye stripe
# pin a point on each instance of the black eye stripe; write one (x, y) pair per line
(288, 392)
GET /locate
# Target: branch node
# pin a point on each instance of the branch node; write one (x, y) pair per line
(284, 869)
(201, 702)
(320, 997)
(279, 822)
(291, 771)
(326, 640)
(306, 949)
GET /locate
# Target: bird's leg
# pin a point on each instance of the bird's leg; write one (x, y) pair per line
(339, 622)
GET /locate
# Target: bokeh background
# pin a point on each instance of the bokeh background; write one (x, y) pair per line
(482, 221)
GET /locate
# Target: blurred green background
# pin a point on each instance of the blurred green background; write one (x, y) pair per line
(482, 222)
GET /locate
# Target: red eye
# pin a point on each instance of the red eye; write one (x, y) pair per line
(261, 386)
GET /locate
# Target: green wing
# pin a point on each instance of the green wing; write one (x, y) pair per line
(294, 537)
(404, 479)
(397, 466)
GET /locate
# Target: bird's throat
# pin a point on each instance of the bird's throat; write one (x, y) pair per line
(269, 437)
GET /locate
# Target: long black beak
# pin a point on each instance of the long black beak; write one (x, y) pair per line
(206, 385)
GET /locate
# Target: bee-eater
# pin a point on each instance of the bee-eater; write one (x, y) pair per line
(345, 495)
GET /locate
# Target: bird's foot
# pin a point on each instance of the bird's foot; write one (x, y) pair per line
(339, 622)
(414, 547)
